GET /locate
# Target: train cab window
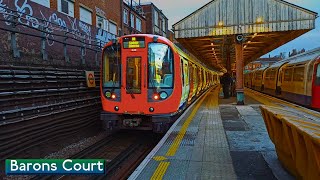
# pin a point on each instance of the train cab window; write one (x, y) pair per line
(317, 80)
(298, 74)
(288, 75)
(160, 66)
(111, 66)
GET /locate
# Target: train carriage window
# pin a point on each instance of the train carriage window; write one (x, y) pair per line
(182, 73)
(310, 74)
(186, 73)
(317, 80)
(258, 76)
(288, 75)
(111, 66)
(272, 74)
(298, 74)
(160, 66)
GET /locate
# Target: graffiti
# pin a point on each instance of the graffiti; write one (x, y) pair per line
(102, 37)
(100, 12)
(85, 28)
(55, 27)
(4, 10)
(48, 25)
(25, 14)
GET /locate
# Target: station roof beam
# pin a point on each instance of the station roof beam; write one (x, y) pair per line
(265, 25)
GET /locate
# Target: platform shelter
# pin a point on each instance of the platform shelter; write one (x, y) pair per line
(227, 34)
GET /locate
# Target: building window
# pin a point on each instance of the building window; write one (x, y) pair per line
(102, 23)
(125, 16)
(164, 25)
(66, 7)
(156, 18)
(138, 24)
(45, 3)
(132, 20)
(85, 15)
(112, 28)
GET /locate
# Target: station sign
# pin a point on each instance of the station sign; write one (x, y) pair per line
(134, 42)
(91, 82)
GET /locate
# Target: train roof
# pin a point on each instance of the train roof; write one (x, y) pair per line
(305, 57)
(297, 59)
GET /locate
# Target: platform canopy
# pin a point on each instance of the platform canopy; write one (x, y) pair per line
(210, 32)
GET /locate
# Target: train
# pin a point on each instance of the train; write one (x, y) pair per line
(146, 81)
(296, 79)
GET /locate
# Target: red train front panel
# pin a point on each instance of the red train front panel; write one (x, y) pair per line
(140, 76)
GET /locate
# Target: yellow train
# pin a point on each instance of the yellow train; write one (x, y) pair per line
(295, 79)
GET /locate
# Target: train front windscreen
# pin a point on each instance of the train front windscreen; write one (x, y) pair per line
(160, 59)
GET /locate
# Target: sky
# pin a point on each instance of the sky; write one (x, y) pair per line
(175, 10)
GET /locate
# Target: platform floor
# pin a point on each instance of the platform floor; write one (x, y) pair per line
(215, 141)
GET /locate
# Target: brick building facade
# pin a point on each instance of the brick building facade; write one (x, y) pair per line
(102, 14)
(134, 21)
(157, 22)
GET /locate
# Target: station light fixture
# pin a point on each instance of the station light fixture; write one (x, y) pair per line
(220, 23)
(259, 20)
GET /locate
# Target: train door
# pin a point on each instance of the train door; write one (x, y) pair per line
(134, 82)
(316, 87)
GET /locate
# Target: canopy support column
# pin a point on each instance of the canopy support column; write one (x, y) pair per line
(239, 73)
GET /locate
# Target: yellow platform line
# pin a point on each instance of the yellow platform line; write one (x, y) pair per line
(177, 141)
(163, 166)
(160, 171)
(262, 98)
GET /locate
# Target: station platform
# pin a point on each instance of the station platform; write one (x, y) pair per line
(215, 139)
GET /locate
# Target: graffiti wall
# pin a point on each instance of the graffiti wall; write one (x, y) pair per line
(66, 40)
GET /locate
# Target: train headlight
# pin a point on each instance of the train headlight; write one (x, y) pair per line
(156, 97)
(116, 108)
(163, 95)
(113, 96)
(108, 94)
(151, 109)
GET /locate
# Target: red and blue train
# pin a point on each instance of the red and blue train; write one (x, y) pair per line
(146, 80)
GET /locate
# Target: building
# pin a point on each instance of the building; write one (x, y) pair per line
(105, 15)
(157, 22)
(133, 19)
(261, 62)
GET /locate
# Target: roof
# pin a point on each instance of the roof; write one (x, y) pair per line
(282, 1)
(209, 32)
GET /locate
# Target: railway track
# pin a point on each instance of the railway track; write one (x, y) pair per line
(123, 151)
